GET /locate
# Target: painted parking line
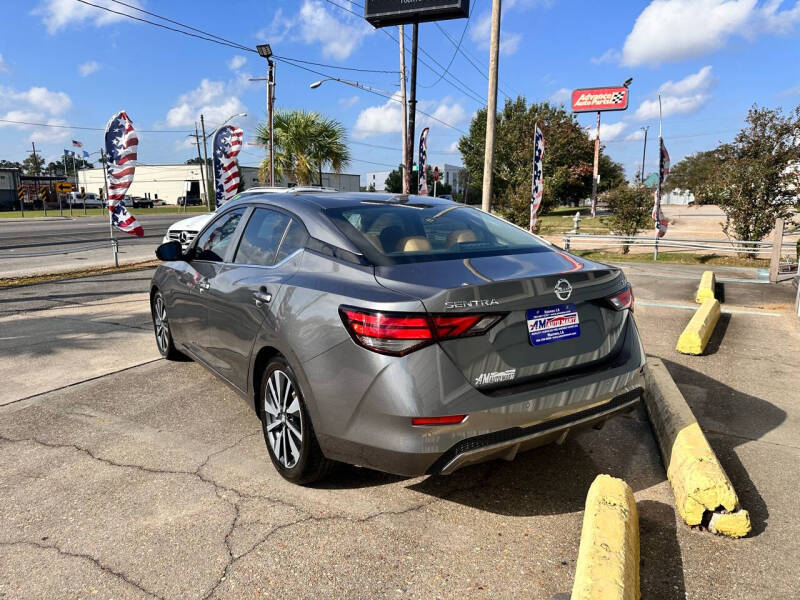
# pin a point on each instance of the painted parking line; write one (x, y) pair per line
(734, 311)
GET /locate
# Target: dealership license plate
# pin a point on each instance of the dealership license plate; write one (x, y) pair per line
(553, 323)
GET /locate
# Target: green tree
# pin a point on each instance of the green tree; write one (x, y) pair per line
(33, 167)
(9, 164)
(630, 207)
(305, 142)
(698, 173)
(394, 182)
(568, 158)
(57, 167)
(758, 173)
(196, 161)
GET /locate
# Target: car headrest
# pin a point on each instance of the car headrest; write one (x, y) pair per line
(415, 243)
(460, 236)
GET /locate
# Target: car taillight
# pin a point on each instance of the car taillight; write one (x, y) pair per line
(446, 420)
(622, 300)
(398, 334)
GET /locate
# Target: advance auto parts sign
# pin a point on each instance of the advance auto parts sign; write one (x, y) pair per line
(381, 13)
(600, 99)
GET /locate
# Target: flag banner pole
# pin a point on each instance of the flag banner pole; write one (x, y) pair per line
(537, 186)
(108, 207)
(225, 148)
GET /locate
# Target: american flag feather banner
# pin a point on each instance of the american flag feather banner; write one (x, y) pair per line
(661, 222)
(423, 157)
(227, 144)
(121, 148)
(537, 186)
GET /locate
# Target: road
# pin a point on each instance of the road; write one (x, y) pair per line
(32, 247)
(153, 480)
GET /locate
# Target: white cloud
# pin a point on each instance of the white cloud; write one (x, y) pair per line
(702, 80)
(609, 56)
(672, 30)
(348, 102)
(481, 32)
(388, 117)
(671, 105)
(635, 136)
(608, 131)
(562, 96)
(58, 14)
(453, 147)
(37, 98)
(237, 62)
(376, 120)
(679, 97)
(87, 68)
(3, 65)
(315, 24)
(792, 91)
(216, 100)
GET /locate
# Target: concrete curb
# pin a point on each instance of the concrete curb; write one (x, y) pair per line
(705, 291)
(608, 558)
(703, 493)
(694, 338)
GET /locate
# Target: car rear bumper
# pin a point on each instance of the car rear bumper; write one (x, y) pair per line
(373, 428)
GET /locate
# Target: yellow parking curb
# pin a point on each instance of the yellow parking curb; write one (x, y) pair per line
(703, 493)
(705, 291)
(694, 338)
(608, 558)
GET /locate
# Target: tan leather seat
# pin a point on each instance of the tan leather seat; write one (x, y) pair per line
(415, 243)
(460, 236)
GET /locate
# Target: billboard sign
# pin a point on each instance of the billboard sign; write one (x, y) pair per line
(600, 99)
(382, 13)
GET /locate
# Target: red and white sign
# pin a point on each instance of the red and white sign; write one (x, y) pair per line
(600, 99)
(436, 173)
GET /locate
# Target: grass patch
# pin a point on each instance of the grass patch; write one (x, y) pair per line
(680, 258)
(554, 224)
(20, 281)
(102, 212)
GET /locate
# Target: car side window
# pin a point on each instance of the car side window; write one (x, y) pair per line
(261, 238)
(295, 238)
(214, 241)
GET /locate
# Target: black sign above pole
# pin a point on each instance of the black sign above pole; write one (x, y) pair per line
(382, 13)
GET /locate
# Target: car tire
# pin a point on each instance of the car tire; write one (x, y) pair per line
(288, 432)
(164, 341)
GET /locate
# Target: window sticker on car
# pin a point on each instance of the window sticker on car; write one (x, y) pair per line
(553, 323)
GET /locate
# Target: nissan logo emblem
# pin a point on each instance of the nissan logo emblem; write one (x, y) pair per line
(563, 289)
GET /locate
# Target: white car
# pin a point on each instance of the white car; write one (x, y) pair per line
(185, 230)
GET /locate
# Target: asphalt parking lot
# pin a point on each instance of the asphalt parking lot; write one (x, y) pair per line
(132, 477)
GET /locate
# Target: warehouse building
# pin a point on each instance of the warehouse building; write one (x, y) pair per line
(452, 175)
(168, 182)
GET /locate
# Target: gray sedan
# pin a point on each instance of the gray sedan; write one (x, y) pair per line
(407, 334)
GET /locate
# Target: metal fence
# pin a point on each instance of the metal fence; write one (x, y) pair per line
(759, 249)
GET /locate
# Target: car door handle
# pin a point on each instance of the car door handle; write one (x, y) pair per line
(204, 286)
(262, 297)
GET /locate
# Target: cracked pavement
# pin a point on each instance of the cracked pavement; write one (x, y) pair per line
(154, 482)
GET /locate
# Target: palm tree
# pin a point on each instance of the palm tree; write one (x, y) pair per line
(305, 142)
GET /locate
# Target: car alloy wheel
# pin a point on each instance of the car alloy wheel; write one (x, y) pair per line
(161, 324)
(284, 419)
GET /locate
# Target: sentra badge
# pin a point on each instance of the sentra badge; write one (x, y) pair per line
(450, 304)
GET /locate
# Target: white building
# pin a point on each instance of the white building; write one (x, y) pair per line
(452, 175)
(679, 197)
(168, 182)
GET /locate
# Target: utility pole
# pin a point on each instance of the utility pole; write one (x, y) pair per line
(596, 170)
(644, 149)
(491, 111)
(406, 168)
(271, 111)
(36, 177)
(202, 166)
(412, 106)
(205, 164)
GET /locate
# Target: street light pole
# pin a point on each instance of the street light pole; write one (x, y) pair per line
(405, 175)
(203, 174)
(644, 150)
(271, 111)
(596, 169)
(491, 110)
(412, 107)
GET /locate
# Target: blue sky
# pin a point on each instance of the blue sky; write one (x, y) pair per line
(66, 63)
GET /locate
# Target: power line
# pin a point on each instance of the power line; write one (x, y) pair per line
(360, 70)
(90, 128)
(458, 47)
(208, 36)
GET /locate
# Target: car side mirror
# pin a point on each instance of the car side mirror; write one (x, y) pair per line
(170, 251)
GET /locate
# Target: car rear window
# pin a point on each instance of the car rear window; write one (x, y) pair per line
(402, 233)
